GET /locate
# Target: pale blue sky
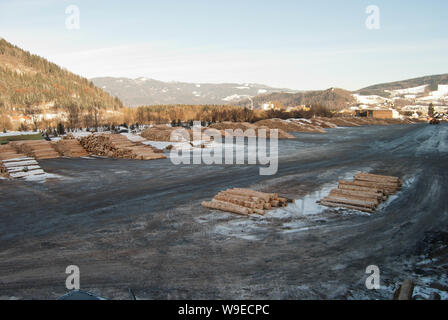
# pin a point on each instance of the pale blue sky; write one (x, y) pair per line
(295, 44)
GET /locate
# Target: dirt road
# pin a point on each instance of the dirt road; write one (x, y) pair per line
(139, 224)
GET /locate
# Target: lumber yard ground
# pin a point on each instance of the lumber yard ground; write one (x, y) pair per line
(140, 224)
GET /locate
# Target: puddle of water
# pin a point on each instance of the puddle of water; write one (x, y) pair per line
(308, 205)
(296, 217)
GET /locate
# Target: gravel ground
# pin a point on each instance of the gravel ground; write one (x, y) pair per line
(139, 224)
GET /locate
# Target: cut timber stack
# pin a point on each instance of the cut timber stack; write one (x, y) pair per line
(364, 193)
(8, 152)
(70, 148)
(245, 201)
(118, 146)
(39, 149)
(21, 168)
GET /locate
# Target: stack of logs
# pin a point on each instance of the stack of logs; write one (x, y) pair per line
(245, 201)
(3, 170)
(8, 152)
(118, 146)
(364, 193)
(70, 148)
(38, 149)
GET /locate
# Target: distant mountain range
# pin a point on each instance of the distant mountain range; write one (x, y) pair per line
(143, 91)
(28, 81)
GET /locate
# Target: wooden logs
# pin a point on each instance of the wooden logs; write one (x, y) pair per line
(389, 188)
(240, 201)
(377, 178)
(248, 192)
(18, 168)
(359, 188)
(345, 200)
(364, 193)
(405, 291)
(338, 194)
(338, 205)
(38, 149)
(225, 206)
(70, 148)
(118, 146)
(361, 194)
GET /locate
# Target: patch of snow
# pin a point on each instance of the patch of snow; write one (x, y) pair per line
(80, 134)
(441, 92)
(41, 178)
(134, 137)
(17, 133)
(413, 90)
(372, 99)
(300, 120)
(233, 97)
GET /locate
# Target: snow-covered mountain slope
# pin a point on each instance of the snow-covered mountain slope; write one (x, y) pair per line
(144, 91)
(418, 91)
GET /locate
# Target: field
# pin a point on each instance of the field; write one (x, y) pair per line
(139, 224)
(6, 139)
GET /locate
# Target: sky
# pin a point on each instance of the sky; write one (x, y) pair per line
(302, 45)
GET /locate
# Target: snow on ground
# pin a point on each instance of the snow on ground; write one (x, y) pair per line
(441, 93)
(41, 178)
(300, 120)
(232, 97)
(80, 134)
(422, 286)
(186, 146)
(373, 99)
(134, 137)
(17, 133)
(413, 90)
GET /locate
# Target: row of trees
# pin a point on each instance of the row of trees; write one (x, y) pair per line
(74, 116)
(215, 113)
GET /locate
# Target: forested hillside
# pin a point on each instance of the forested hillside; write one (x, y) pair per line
(432, 81)
(28, 81)
(334, 99)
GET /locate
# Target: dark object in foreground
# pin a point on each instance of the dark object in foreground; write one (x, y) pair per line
(80, 295)
(405, 290)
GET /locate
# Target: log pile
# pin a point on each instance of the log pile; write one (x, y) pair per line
(19, 168)
(3, 170)
(38, 149)
(118, 146)
(8, 152)
(162, 133)
(365, 193)
(70, 148)
(245, 201)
